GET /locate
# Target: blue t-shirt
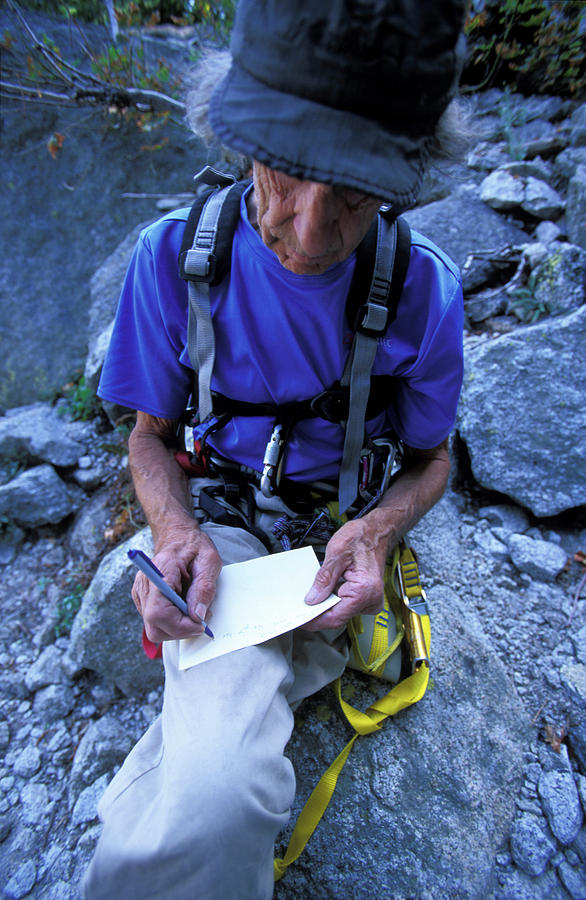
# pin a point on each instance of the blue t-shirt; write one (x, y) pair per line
(283, 337)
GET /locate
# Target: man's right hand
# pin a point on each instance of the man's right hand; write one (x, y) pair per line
(185, 555)
(191, 569)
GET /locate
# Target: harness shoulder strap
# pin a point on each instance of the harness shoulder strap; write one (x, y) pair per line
(205, 259)
(393, 247)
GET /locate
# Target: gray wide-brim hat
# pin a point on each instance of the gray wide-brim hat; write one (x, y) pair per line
(341, 92)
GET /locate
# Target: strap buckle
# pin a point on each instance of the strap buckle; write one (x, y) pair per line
(332, 404)
(199, 265)
(373, 316)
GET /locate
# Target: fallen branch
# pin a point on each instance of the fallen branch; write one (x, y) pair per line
(67, 85)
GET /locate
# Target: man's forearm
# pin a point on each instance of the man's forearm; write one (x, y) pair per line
(413, 494)
(161, 486)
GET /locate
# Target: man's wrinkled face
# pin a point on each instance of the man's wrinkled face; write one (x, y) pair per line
(308, 225)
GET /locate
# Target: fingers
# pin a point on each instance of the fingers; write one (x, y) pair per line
(204, 574)
(356, 597)
(162, 620)
(352, 569)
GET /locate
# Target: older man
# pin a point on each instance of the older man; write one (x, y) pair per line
(338, 104)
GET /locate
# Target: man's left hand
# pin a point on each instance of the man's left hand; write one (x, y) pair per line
(353, 569)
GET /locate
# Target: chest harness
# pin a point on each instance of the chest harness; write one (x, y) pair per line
(381, 266)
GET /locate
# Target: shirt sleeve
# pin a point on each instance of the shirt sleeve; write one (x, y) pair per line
(430, 335)
(143, 368)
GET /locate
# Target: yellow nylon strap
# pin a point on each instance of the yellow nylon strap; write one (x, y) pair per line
(312, 812)
(399, 697)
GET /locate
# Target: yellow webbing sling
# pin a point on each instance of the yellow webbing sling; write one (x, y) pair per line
(401, 695)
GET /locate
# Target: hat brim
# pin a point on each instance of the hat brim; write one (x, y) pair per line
(314, 142)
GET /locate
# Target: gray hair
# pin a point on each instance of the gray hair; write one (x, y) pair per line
(450, 142)
(210, 69)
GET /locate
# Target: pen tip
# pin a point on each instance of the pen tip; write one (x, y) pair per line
(208, 631)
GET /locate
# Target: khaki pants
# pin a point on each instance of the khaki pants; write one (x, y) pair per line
(196, 807)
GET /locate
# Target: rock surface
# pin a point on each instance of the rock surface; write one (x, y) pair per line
(516, 447)
(477, 792)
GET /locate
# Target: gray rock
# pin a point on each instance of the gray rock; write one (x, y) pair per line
(576, 207)
(581, 785)
(536, 138)
(85, 809)
(487, 156)
(568, 161)
(104, 745)
(541, 200)
(22, 882)
(502, 190)
(541, 559)
(28, 762)
(11, 539)
(531, 845)
(80, 224)
(535, 459)
(580, 645)
(534, 168)
(491, 545)
(511, 518)
(4, 735)
(461, 225)
(574, 880)
(559, 279)
(561, 804)
(86, 537)
(579, 844)
(53, 703)
(37, 497)
(413, 776)
(38, 433)
(573, 676)
(47, 669)
(547, 232)
(482, 306)
(106, 633)
(105, 286)
(516, 885)
(35, 803)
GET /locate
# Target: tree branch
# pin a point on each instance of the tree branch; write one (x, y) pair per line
(68, 85)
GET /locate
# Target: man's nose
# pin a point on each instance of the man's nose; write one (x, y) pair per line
(317, 211)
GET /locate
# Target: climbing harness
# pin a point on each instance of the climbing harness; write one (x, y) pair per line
(382, 262)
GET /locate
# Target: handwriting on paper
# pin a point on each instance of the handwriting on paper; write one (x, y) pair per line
(257, 600)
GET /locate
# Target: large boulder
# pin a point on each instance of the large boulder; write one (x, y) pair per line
(62, 216)
(105, 287)
(38, 433)
(423, 806)
(37, 497)
(106, 633)
(462, 225)
(522, 413)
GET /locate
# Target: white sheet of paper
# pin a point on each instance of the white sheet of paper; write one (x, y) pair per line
(257, 600)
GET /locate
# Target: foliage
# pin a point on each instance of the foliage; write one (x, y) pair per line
(218, 14)
(81, 401)
(511, 116)
(525, 304)
(535, 46)
(67, 608)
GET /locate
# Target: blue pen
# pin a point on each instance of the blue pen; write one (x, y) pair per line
(148, 568)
